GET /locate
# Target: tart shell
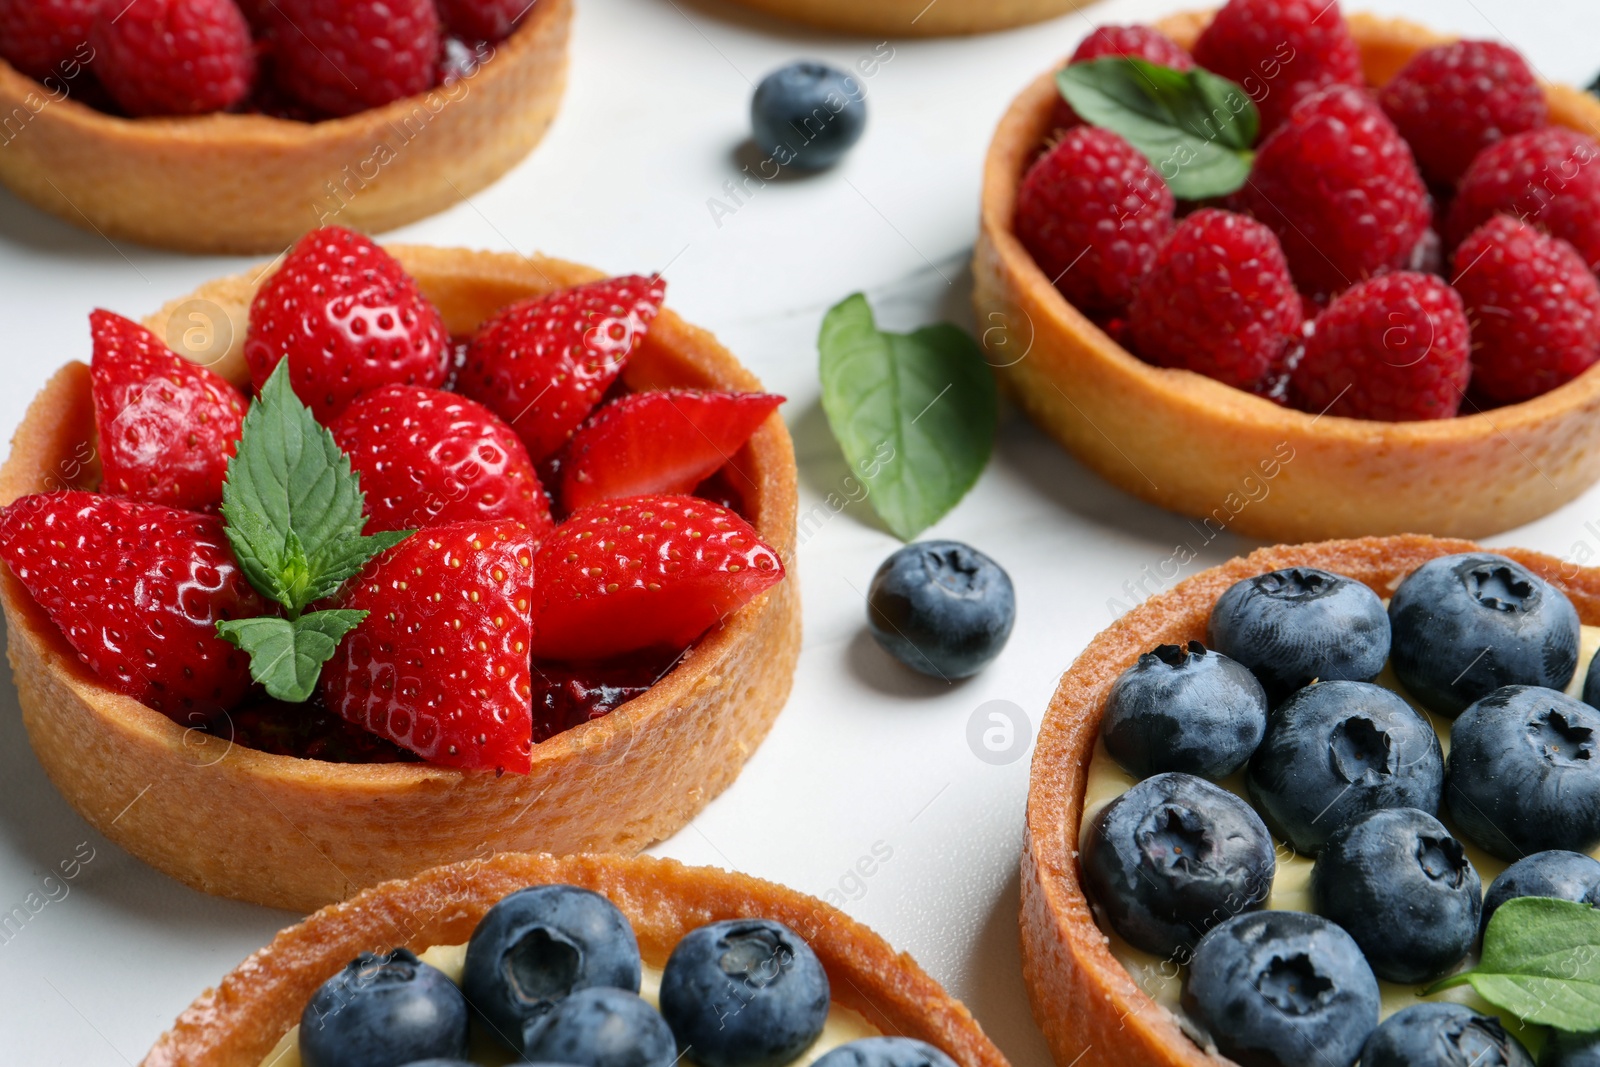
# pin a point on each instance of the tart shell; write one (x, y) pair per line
(915, 18)
(1091, 1011)
(239, 1022)
(1237, 461)
(252, 183)
(300, 833)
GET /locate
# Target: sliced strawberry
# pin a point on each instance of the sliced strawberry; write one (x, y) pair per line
(659, 442)
(167, 426)
(543, 364)
(137, 590)
(440, 667)
(645, 572)
(427, 458)
(349, 318)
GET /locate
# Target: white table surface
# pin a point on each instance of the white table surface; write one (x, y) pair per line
(867, 757)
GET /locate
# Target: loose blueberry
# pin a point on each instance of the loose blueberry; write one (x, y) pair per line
(384, 1011)
(538, 946)
(600, 1027)
(807, 115)
(1337, 749)
(1283, 988)
(1466, 625)
(1570, 1050)
(1556, 873)
(1403, 888)
(942, 608)
(1443, 1035)
(1174, 856)
(885, 1052)
(1296, 626)
(1591, 683)
(744, 993)
(1524, 773)
(1193, 710)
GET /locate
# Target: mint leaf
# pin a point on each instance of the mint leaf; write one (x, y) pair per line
(339, 561)
(1541, 962)
(914, 413)
(286, 656)
(1195, 127)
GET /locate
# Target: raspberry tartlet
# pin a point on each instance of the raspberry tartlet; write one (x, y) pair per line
(915, 18)
(1106, 982)
(414, 747)
(874, 990)
(254, 177)
(1203, 424)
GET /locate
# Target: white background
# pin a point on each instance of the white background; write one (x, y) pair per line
(865, 754)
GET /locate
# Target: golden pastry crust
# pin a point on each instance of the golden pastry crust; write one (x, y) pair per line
(239, 1022)
(295, 833)
(1091, 1011)
(252, 184)
(1196, 446)
(915, 18)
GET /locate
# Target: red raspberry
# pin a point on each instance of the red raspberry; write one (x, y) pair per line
(1534, 306)
(1393, 348)
(1549, 177)
(483, 20)
(1219, 300)
(1452, 101)
(175, 57)
(39, 37)
(1280, 52)
(351, 55)
(1140, 42)
(1339, 187)
(1093, 213)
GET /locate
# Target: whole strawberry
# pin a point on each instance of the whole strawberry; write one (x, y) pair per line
(1280, 52)
(483, 20)
(1534, 308)
(166, 426)
(349, 318)
(1339, 187)
(1453, 100)
(543, 364)
(137, 590)
(440, 665)
(428, 457)
(1393, 348)
(1139, 42)
(645, 572)
(1548, 177)
(41, 38)
(1218, 301)
(174, 57)
(1093, 213)
(347, 56)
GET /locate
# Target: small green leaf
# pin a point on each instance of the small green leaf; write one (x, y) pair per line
(1196, 128)
(339, 561)
(1541, 962)
(913, 413)
(287, 656)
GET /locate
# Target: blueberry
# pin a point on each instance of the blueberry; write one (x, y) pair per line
(942, 608)
(744, 993)
(1283, 988)
(1337, 749)
(1555, 873)
(601, 1027)
(1403, 888)
(1570, 1050)
(1466, 625)
(1193, 711)
(885, 1052)
(1524, 773)
(1591, 683)
(538, 946)
(1296, 626)
(1174, 856)
(1443, 1035)
(384, 1011)
(808, 115)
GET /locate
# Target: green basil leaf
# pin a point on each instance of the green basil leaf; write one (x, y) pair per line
(1195, 127)
(286, 656)
(913, 413)
(1541, 962)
